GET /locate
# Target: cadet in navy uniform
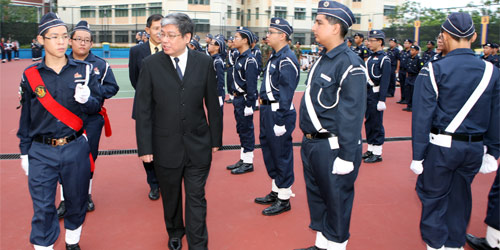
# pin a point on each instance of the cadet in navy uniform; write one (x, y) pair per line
(415, 63)
(361, 49)
(258, 56)
(208, 40)
(277, 117)
(194, 45)
(232, 54)
(393, 54)
(488, 50)
(403, 67)
(216, 48)
(429, 53)
(57, 94)
(245, 74)
(378, 66)
(81, 43)
(456, 114)
(331, 118)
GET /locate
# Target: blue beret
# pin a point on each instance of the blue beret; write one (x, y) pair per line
(48, 21)
(360, 35)
(82, 25)
(210, 36)
(376, 34)
(431, 42)
(394, 40)
(197, 38)
(247, 32)
(337, 10)
(459, 24)
(281, 25)
(255, 38)
(221, 43)
(230, 38)
(195, 43)
(495, 46)
(408, 40)
(220, 36)
(488, 45)
(415, 47)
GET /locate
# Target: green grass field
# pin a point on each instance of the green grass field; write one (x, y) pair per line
(127, 91)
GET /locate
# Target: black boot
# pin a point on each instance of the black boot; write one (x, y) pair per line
(90, 206)
(367, 154)
(373, 159)
(61, 210)
(311, 248)
(268, 199)
(243, 168)
(278, 207)
(478, 243)
(72, 246)
(234, 166)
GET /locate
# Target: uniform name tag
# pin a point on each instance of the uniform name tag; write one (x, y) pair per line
(326, 77)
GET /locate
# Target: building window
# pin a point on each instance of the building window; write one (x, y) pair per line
(257, 13)
(229, 11)
(359, 1)
(154, 8)
(203, 2)
(138, 9)
(268, 12)
(105, 36)
(300, 13)
(358, 18)
(389, 10)
(249, 14)
(87, 11)
(201, 25)
(105, 11)
(314, 13)
(121, 10)
(121, 36)
(299, 37)
(238, 14)
(280, 11)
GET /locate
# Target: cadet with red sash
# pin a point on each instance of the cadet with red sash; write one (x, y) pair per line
(57, 95)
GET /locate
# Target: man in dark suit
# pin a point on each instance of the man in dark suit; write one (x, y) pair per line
(137, 55)
(172, 127)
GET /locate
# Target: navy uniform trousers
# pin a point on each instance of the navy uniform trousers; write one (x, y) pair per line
(493, 212)
(402, 83)
(277, 150)
(444, 187)
(244, 124)
(330, 196)
(47, 164)
(409, 86)
(392, 82)
(93, 128)
(374, 127)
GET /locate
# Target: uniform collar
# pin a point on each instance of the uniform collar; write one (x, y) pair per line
(281, 51)
(42, 64)
(246, 53)
(90, 57)
(215, 56)
(460, 52)
(380, 52)
(337, 50)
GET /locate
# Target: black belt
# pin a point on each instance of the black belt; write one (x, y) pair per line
(318, 136)
(238, 94)
(459, 137)
(57, 141)
(266, 102)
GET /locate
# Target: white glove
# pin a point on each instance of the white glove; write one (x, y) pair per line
(25, 163)
(417, 166)
(248, 111)
(489, 164)
(82, 93)
(221, 101)
(381, 106)
(279, 130)
(342, 167)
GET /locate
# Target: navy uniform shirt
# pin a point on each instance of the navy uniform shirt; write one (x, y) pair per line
(393, 54)
(403, 60)
(245, 73)
(362, 51)
(343, 116)
(231, 57)
(457, 75)
(104, 75)
(36, 120)
(284, 75)
(494, 59)
(428, 55)
(379, 71)
(219, 71)
(414, 65)
(258, 56)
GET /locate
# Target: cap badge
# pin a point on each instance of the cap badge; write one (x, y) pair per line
(326, 3)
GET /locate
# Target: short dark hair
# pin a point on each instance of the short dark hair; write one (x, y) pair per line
(244, 36)
(181, 20)
(343, 27)
(73, 35)
(456, 38)
(153, 18)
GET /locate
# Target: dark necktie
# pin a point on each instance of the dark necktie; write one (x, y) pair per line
(156, 49)
(179, 72)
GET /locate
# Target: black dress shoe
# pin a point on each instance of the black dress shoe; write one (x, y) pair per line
(268, 199)
(90, 206)
(390, 95)
(373, 159)
(236, 165)
(72, 246)
(243, 168)
(256, 108)
(154, 194)
(367, 154)
(477, 243)
(278, 207)
(400, 101)
(311, 248)
(61, 210)
(175, 244)
(407, 109)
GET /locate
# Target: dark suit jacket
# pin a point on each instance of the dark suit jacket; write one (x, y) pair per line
(137, 55)
(171, 122)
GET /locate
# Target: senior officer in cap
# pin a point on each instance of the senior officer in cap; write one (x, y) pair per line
(456, 116)
(81, 43)
(331, 118)
(429, 53)
(58, 94)
(393, 54)
(360, 48)
(277, 117)
(245, 74)
(378, 66)
(488, 50)
(402, 69)
(415, 64)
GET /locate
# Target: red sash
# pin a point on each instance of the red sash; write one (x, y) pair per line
(107, 124)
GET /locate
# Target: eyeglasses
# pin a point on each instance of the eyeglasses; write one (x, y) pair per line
(54, 37)
(79, 40)
(169, 36)
(272, 32)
